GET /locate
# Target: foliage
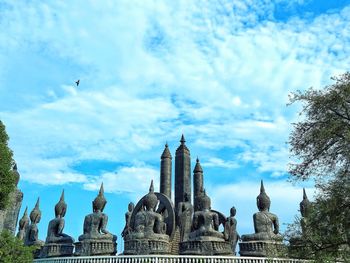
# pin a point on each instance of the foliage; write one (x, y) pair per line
(321, 141)
(13, 250)
(7, 180)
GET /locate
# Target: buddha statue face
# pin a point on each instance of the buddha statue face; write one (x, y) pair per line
(204, 201)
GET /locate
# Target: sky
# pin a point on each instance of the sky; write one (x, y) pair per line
(219, 72)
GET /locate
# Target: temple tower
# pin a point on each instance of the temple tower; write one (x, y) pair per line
(182, 172)
(197, 183)
(165, 172)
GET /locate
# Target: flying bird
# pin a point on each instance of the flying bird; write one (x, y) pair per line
(77, 82)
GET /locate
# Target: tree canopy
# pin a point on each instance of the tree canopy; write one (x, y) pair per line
(321, 143)
(13, 250)
(7, 180)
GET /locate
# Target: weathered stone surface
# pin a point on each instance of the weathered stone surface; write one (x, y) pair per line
(127, 229)
(23, 225)
(96, 240)
(262, 249)
(266, 230)
(56, 250)
(184, 214)
(152, 224)
(9, 216)
(165, 172)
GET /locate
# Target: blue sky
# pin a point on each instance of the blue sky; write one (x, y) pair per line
(218, 71)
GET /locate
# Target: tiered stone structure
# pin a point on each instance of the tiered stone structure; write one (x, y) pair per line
(266, 241)
(152, 225)
(205, 239)
(31, 238)
(57, 243)
(96, 240)
(9, 216)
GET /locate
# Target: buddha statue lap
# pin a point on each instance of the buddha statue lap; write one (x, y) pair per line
(57, 243)
(96, 240)
(266, 241)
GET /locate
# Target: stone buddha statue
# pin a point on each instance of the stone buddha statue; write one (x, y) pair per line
(230, 230)
(127, 229)
(205, 223)
(266, 241)
(149, 223)
(184, 214)
(32, 233)
(95, 231)
(55, 229)
(57, 243)
(23, 225)
(265, 223)
(205, 238)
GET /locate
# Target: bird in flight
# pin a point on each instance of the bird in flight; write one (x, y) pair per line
(77, 82)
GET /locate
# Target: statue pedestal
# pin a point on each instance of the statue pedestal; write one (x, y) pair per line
(145, 246)
(208, 248)
(262, 248)
(91, 247)
(57, 250)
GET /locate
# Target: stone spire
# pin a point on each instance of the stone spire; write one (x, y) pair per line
(182, 172)
(305, 205)
(197, 183)
(165, 172)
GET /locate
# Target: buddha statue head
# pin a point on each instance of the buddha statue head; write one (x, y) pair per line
(61, 207)
(150, 200)
(35, 214)
(100, 202)
(131, 207)
(232, 211)
(305, 205)
(24, 220)
(263, 200)
(204, 201)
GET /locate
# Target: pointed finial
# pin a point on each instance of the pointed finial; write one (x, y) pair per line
(262, 188)
(197, 160)
(25, 211)
(151, 188)
(198, 167)
(101, 192)
(304, 194)
(182, 139)
(62, 196)
(37, 203)
(166, 144)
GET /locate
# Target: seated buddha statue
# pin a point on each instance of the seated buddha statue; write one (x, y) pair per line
(31, 238)
(265, 223)
(205, 222)
(148, 223)
(95, 223)
(23, 225)
(56, 225)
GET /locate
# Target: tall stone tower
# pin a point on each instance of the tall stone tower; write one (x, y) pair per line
(197, 183)
(182, 172)
(165, 172)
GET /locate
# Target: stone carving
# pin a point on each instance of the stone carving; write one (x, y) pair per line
(23, 225)
(205, 239)
(57, 243)
(31, 238)
(152, 224)
(266, 230)
(9, 216)
(230, 230)
(184, 214)
(96, 240)
(127, 228)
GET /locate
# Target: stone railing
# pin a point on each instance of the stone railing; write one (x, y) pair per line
(167, 259)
